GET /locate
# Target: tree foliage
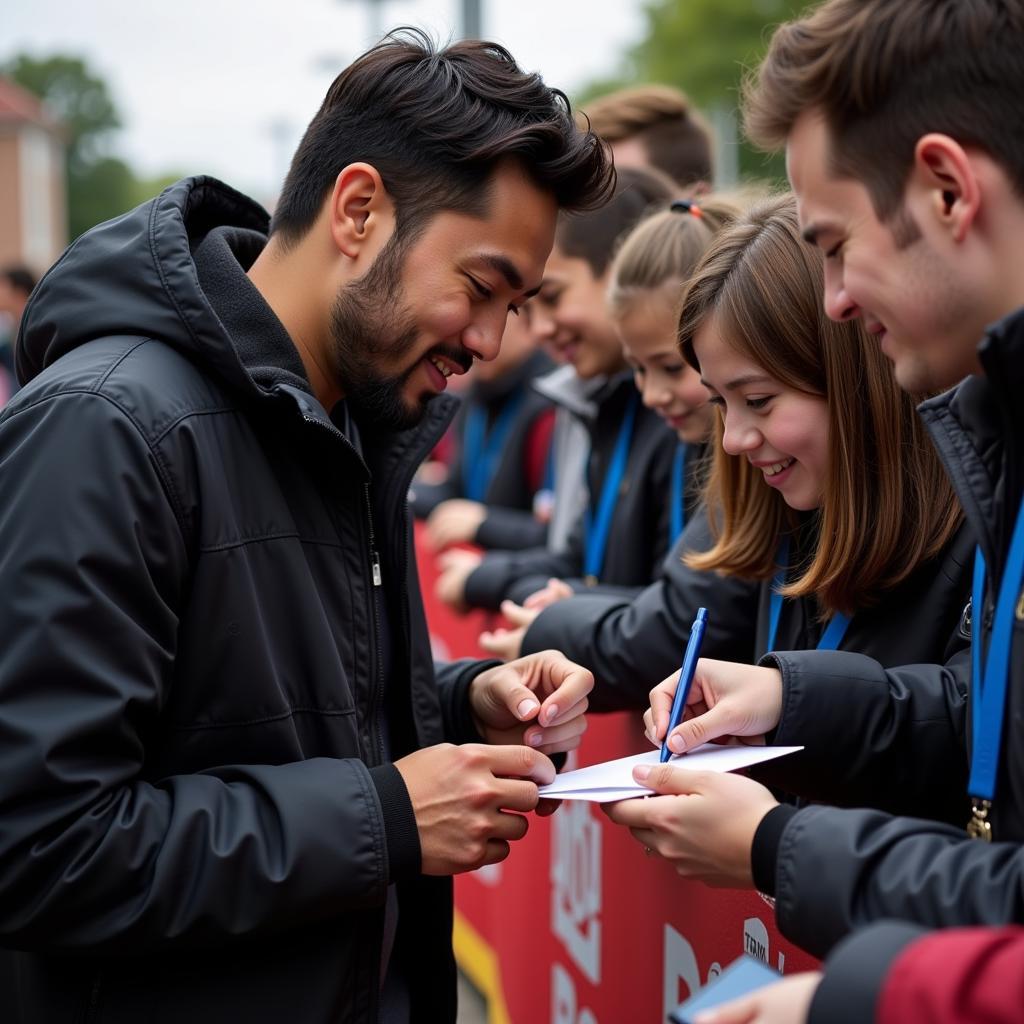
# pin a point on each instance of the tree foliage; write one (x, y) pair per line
(703, 47)
(75, 96)
(100, 184)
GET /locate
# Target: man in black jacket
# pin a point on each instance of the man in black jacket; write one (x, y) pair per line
(902, 126)
(225, 787)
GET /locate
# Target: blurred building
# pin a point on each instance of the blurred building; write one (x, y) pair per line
(33, 191)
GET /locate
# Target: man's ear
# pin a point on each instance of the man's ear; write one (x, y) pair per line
(945, 169)
(361, 213)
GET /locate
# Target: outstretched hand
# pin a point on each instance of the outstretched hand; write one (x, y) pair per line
(507, 644)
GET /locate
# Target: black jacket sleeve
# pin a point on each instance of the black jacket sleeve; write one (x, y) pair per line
(453, 682)
(839, 870)
(630, 646)
(892, 739)
(516, 575)
(855, 973)
(511, 529)
(98, 851)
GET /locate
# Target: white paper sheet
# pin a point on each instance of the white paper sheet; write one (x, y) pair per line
(613, 780)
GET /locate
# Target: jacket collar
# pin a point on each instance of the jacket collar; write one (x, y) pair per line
(978, 430)
(566, 389)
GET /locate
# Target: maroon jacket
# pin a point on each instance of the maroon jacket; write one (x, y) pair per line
(957, 976)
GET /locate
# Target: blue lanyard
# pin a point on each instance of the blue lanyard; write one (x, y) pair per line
(834, 631)
(595, 542)
(482, 448)
(989, 680)
(678, 507)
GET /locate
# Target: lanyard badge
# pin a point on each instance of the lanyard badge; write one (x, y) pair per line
(990, 673)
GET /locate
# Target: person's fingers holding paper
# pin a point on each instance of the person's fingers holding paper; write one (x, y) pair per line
(703, 822)
(462, 797)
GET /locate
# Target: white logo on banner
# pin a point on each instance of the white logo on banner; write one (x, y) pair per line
(563, 999)
(756, 943)
(576, 885)
(755, 938)
(680, 965)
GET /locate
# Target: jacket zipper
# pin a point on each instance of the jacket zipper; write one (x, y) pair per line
(377, 697)
(377, 579)
(92, 1007)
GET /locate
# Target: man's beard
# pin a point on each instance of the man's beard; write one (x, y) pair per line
(370, 324)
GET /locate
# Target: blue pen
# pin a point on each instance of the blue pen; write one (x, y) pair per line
(685, 677)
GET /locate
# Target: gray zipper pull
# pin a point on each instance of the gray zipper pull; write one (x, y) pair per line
(375, 562)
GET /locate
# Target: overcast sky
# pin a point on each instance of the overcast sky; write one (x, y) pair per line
(226, 86)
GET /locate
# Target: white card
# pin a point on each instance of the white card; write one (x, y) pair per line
(613, 780)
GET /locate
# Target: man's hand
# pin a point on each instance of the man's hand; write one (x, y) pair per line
(786, 1002)
(705, 824)
(539, 700)
(555, 590)
(455, 522)
(462, 797)
(507, 644)
(727, 699)
(456, 567)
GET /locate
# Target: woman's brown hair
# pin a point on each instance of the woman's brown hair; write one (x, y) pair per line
(886, 505)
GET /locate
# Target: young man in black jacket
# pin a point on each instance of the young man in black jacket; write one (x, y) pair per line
(227, 784)
(902, 126)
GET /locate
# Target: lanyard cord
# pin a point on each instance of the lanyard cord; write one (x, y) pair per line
(677, 509)
(835, 631)
(597, 530)
(990, 673)
(483, 447)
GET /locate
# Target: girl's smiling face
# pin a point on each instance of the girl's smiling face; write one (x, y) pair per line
(782, 432)
(667, 385)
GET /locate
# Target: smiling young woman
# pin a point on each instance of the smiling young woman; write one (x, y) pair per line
(794, 385)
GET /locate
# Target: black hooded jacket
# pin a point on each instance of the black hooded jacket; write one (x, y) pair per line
(199, 820)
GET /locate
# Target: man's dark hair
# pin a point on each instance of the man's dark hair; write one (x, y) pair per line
(886, 72)
(20, 277)
(593, 235)
(435, 123)
(676, 139)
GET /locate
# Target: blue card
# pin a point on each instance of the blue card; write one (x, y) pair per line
(741, 976)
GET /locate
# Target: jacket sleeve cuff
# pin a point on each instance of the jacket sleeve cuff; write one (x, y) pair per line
(764, 852)
(401, 833)
(485, 585)
(460, 726)
(856, 971)
(510, 529)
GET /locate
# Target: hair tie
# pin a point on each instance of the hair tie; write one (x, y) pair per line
(686, 206)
